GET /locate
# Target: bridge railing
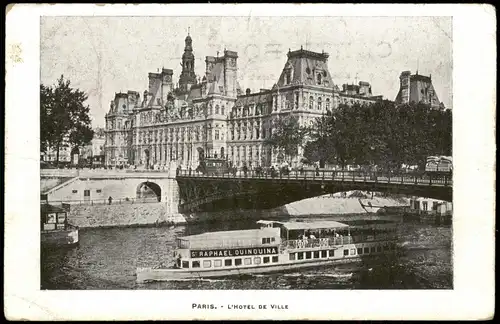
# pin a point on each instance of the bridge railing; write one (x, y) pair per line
(314, 243)
(331, 175)
(114, 201)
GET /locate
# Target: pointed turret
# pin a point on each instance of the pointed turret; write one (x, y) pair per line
(187, 77)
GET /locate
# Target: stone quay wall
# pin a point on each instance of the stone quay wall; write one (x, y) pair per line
(139, 214)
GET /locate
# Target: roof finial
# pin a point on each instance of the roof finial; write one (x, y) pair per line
(217, 54)
(189, 30)
(417, 65)
(301, 47)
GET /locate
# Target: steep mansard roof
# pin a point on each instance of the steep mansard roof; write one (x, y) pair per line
(305, 66)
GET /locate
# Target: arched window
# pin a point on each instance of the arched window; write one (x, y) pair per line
(319, 103)
(318, 77)
(311, 102)
(327, 104)
(222, 110)
(222, 152)
(216, 109)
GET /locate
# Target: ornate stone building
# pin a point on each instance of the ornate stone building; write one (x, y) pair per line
(212, 117)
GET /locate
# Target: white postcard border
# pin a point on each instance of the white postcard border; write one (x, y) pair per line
(474, 102)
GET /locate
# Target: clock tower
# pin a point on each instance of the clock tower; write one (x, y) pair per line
(187, 77)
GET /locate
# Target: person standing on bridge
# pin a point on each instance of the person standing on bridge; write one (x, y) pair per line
(110, 200)
(317, 170)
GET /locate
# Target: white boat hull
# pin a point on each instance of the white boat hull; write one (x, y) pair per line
(172, 274)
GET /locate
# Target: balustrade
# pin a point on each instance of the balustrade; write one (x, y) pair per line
(333, 175)
(316, 243)
(335, 241)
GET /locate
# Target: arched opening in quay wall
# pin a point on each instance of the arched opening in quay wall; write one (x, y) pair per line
(148, 190)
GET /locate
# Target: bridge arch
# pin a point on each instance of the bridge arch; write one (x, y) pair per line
(148, 189)
(198, 192)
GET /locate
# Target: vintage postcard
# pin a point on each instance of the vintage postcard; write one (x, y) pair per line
(259, 161)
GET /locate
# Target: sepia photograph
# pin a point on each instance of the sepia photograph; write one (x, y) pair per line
(193, 149)
(246, 152)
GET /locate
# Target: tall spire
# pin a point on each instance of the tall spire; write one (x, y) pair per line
(187, 77)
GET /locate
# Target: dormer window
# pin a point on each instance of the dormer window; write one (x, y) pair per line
(319, 78)
(288, 73)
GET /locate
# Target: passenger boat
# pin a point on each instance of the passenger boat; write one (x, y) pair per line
(274, 247)
(55, 229)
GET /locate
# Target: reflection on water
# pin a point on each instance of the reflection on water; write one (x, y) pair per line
(108, 258)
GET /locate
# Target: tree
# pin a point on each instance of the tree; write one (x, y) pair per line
(287, 136)
(46, 107)
(64, 119)
(319, 147)
(382, 134)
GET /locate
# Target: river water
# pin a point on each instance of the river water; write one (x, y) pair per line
(108, 258)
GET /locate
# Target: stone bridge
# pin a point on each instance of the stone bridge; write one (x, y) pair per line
(187, 191)
(199, 192)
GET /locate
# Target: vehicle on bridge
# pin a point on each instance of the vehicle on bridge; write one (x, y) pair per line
(274, 247)
(439, 165)
(214, 166)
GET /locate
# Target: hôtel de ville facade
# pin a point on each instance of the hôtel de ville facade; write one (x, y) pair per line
(176, 124)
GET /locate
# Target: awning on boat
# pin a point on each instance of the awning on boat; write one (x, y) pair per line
(313, 225)
(48, 209)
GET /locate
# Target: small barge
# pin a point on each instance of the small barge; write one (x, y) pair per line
(55, 229)
(274, 247)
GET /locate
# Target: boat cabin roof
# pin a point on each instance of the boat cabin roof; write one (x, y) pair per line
(238, 234)
(291, 226)
(47, 209)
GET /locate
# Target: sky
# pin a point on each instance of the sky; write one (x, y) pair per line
(106, 55)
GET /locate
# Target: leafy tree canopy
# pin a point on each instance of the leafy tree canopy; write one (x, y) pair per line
(287, 135)
(382, 134)
(64, 118)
